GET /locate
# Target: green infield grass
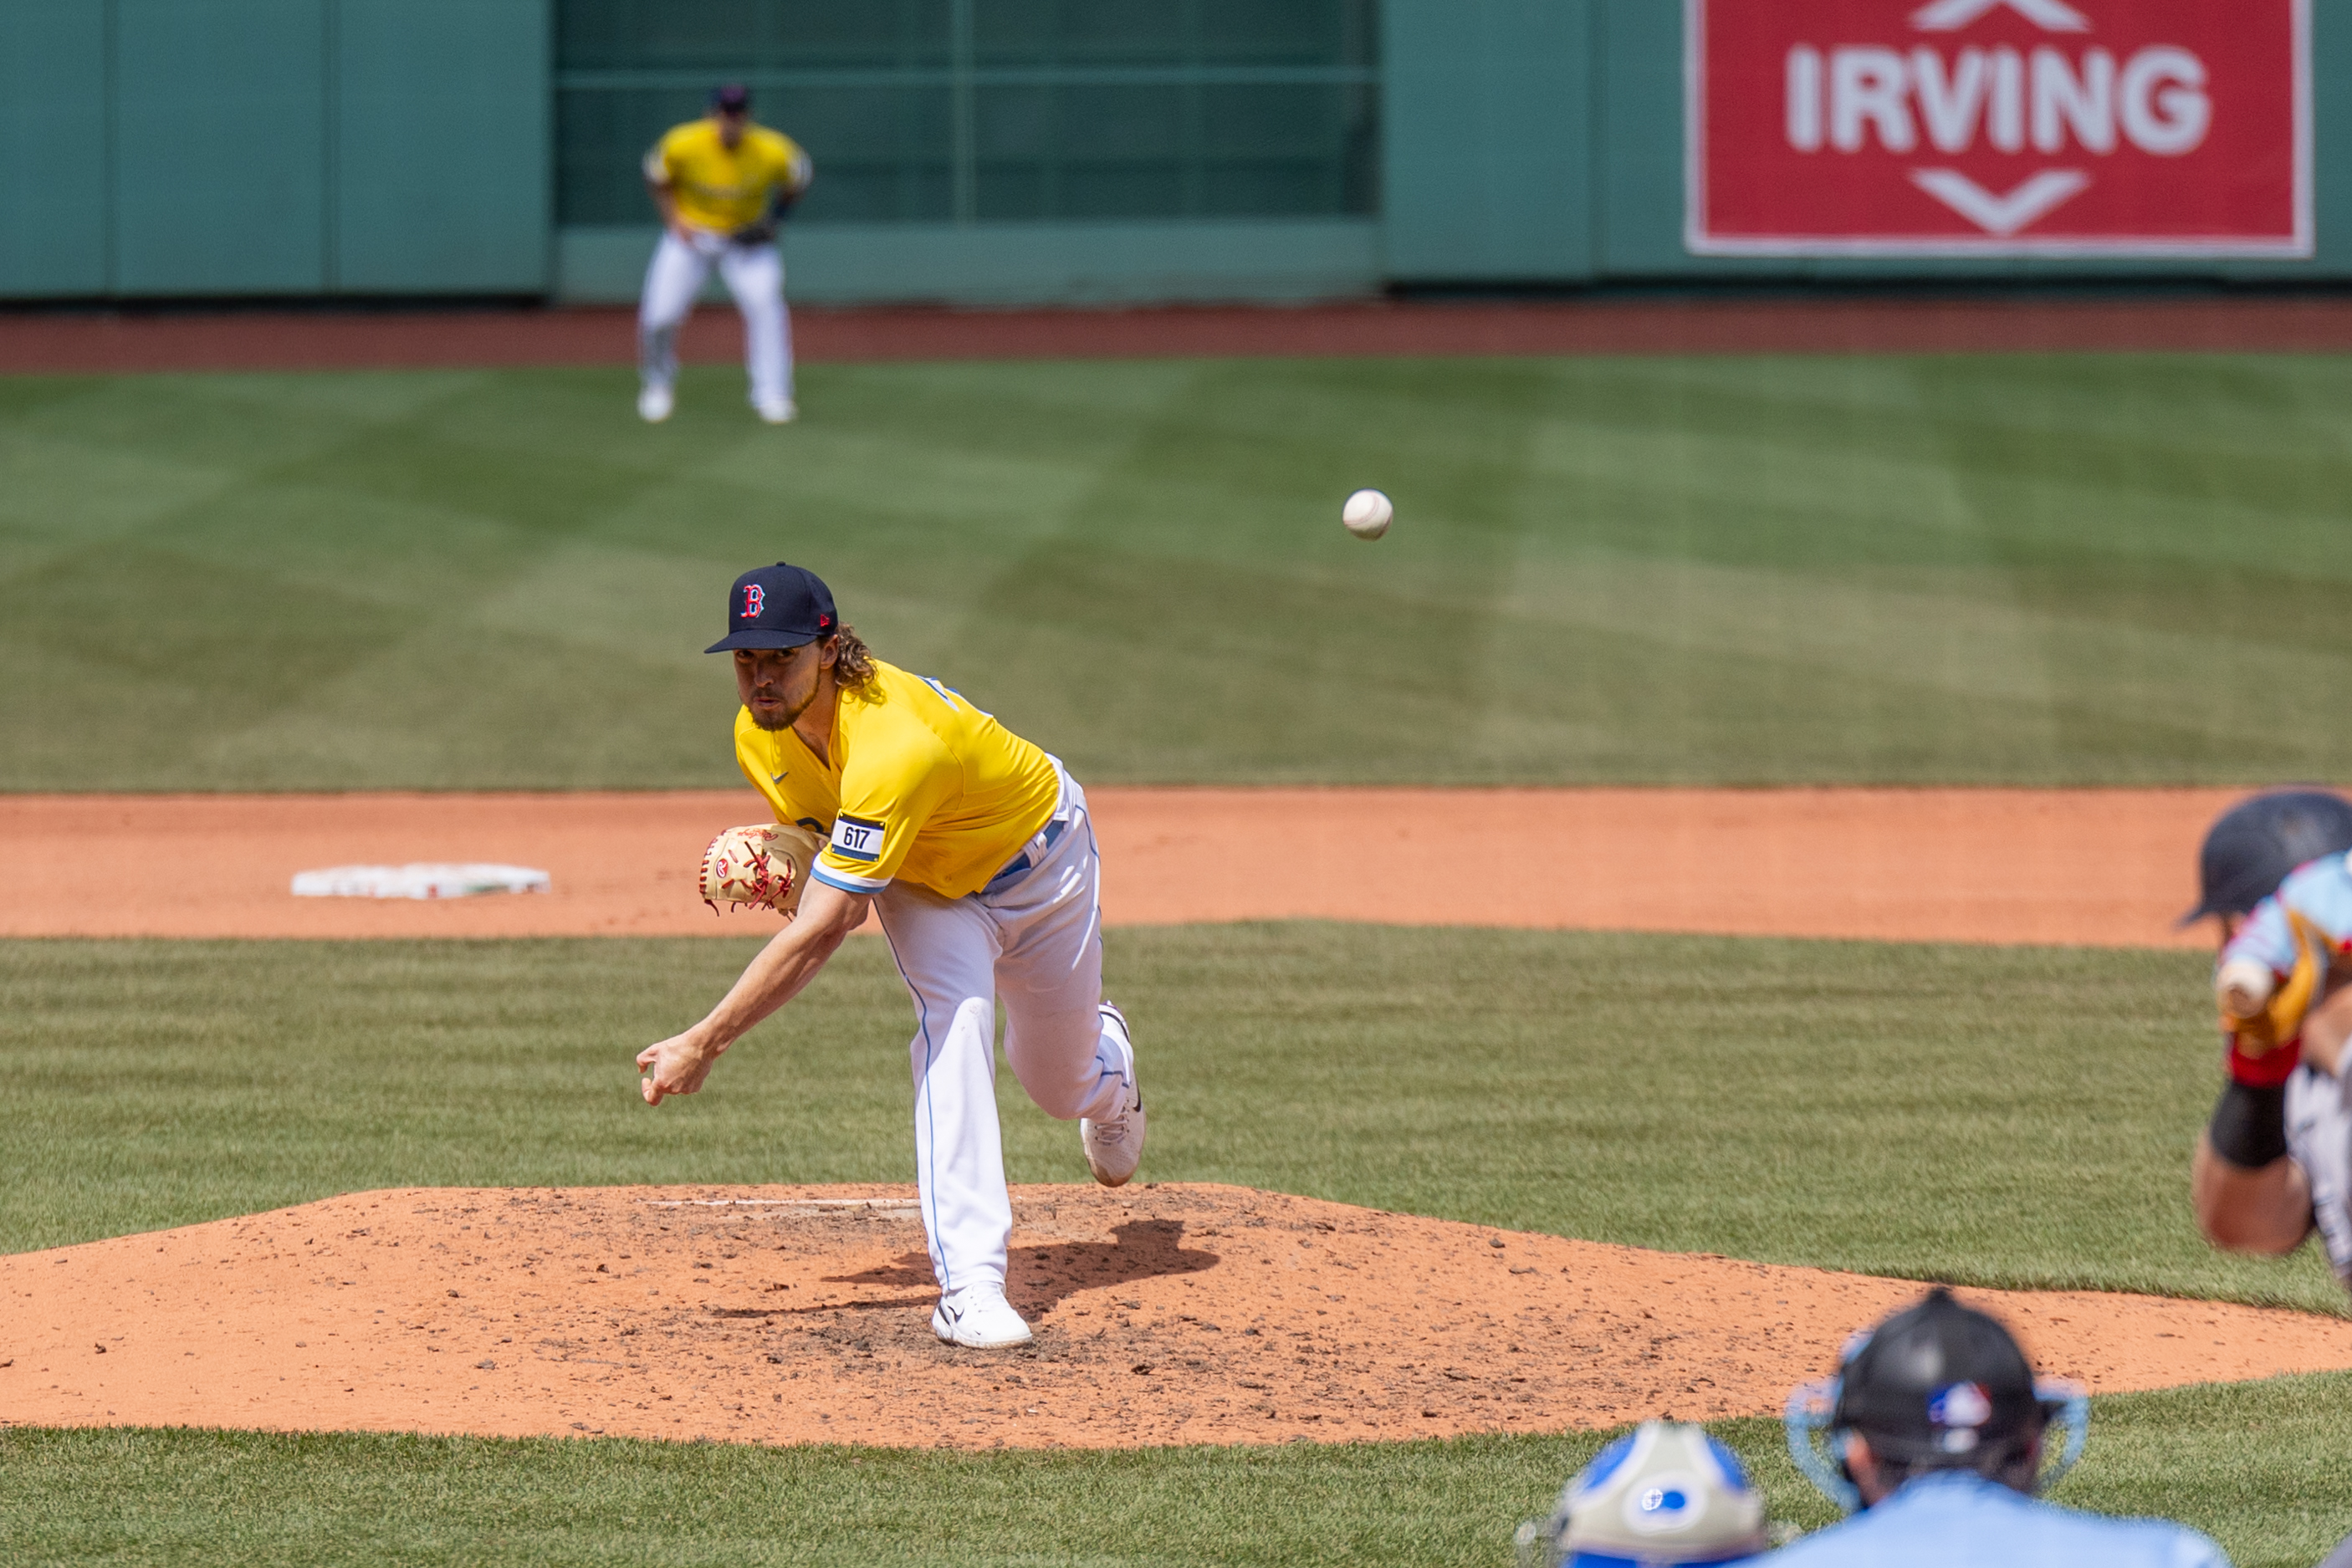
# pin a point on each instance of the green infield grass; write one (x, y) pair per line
(2000, 1116)
(2258, 1466)
(2091, 569)
(2004, 1116)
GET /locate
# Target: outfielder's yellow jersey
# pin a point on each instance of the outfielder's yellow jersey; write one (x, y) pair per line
(918, 784)
(720, 190)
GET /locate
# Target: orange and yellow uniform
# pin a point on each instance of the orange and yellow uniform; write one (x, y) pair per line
(723, 189)
(917, 785)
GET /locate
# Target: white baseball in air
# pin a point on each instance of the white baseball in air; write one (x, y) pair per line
(1367, 514)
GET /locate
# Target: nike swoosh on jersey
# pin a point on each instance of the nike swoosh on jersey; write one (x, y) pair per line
(778, 778)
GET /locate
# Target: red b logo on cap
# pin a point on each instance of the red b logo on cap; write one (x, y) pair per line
(755, 599)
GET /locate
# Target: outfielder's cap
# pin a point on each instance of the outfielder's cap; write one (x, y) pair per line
(1939, 1384)
(1665, 1493)
(732, 98)
(2249, 852)
(779, 606)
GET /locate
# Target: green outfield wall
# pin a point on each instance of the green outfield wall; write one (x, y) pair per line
(984, 151)
(172, 148)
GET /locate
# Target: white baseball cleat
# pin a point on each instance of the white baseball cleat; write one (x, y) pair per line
(655, 404)
(978, 1317)
(780, 410)
(1114, 1146)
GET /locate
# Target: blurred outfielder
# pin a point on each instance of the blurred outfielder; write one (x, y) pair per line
(722, 184)
(2276, 1162)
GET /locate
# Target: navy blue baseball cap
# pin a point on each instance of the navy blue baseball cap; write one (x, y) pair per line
(779, 606)
(732, 98)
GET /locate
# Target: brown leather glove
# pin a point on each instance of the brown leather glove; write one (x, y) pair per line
(766, 865)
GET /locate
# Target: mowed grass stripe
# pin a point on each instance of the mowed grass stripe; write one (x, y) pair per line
(1944, 568)
(1999, 1116)
(2256, 1465)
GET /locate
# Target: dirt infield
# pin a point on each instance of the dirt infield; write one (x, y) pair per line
(2101, 868)
(264, 338)
(1166, 1314)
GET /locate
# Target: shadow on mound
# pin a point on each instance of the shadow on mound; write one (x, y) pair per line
(1043, 1275)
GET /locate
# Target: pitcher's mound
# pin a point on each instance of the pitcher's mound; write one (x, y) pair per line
(1164, 1315)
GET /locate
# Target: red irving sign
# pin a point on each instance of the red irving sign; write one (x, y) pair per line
(1999, 126)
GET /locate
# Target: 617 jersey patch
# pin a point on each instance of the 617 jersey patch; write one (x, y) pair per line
(854, 839)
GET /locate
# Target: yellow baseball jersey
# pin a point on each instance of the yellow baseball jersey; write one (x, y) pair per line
(720, 190)
(918, 785)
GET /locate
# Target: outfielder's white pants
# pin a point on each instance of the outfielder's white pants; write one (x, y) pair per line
(1035, 940)
(754, 274)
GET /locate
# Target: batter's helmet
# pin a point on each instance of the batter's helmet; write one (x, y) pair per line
(2258, 841)
(1665, 1496)
(1937, 1386)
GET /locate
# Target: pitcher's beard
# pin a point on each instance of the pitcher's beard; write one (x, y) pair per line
(787, 720)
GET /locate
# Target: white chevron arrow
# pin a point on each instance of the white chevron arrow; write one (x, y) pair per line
(1951, 15)
(2002, 215)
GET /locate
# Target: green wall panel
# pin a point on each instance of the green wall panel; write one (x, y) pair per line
(220, 154)
(440, 175)
(1488, 139)
(1064, 111)
(1021, 264)
(53, 148)
(1639, 88)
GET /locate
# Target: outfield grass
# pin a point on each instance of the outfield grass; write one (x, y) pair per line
(2259, 1466)
(2088, 569)
(1996, 1116)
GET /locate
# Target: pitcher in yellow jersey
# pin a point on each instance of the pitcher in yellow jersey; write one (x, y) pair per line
(722, 184)
(975, 848)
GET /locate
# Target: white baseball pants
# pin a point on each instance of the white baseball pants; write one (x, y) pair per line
(2319, 1136)
(754, 274)
(1034, 939)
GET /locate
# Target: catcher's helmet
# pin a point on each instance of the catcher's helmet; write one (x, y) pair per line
(1666, 1495)
(2249, 852)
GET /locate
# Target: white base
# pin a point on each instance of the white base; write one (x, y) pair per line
(418, 880)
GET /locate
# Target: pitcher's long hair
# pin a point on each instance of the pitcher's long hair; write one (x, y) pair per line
(853, 667)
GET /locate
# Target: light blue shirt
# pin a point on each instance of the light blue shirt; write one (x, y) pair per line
(1958, 1519)
(2321, 892)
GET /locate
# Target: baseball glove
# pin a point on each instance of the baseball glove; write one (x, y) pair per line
(766, 865)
